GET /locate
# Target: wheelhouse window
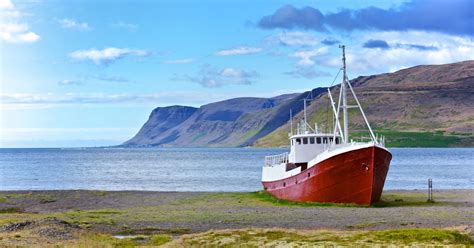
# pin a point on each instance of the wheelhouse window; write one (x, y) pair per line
(330, 140)
(298, 141)
(325, 140)
(305, 141)
(318, 140)
(338, 141)
(311, 140)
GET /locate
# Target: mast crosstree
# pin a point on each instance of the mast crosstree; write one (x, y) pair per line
(345, 107)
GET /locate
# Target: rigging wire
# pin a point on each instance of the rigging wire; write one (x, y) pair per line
(327, 107)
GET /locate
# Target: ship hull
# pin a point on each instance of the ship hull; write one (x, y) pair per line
(355, 176)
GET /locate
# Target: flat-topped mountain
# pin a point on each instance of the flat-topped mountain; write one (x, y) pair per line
(233, 122)
(160, 121)
(428, 105)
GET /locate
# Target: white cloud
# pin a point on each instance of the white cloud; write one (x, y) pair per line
(293, 39)
(10, 14)
(365, 61)
(111, 78)
(233, 72)
(107, 55)
(86, 79)
(242, 50)
(306, 56)
(12, 29)
(15, 101)
(128, 26)
(6, 4)
(212, 78)
(307, 72)
(70, 23)
(70, 82)
(179, 61)
(28, 37)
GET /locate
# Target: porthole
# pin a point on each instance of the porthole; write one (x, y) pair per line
(284, 184)
(309, 174)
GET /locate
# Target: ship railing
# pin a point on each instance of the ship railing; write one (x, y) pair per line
(276, 159)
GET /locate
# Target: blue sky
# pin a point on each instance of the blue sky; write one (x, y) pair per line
(88, 73)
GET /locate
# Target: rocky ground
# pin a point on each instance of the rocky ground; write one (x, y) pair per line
(68, 217)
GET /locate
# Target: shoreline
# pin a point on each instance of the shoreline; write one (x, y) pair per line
(2, 191)
(178, 214)
(217, 147)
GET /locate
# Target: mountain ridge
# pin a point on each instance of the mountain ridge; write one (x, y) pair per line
(421, 99)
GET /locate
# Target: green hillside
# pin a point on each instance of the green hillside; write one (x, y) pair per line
(423, 106)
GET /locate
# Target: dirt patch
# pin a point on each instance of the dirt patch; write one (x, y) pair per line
(15, 226)
(47, 230)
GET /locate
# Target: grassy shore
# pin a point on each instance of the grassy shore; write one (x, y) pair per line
(92, 218)
(393, 138)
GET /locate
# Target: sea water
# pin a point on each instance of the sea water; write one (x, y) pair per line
(203, 169)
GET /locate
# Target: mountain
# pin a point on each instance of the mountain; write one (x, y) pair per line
(428, 105)
(233, 122)
(160, 121)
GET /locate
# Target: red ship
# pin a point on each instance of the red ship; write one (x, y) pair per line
(327, 167)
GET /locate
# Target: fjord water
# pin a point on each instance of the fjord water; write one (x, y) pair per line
(203, 169)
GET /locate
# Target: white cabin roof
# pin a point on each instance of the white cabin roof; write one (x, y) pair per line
(294, 136)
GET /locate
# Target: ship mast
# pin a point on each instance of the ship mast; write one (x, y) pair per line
(305, 120)
(344, 95)
(291, 122)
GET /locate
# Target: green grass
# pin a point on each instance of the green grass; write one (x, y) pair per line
(10, 210)
(249, 207)
(392, 139)
(250, 133)
(413, 139)
(47, 199)
(268, 198)
(408, 199)
(392, 199)
(104, 240)
(159, 239)
(422, 235)
(104, 211)
(293, 238)
(257, 237)
(198, 136)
